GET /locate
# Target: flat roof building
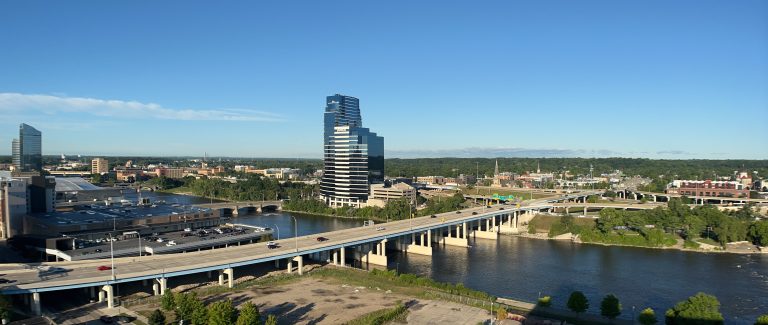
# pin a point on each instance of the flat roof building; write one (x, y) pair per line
(99, 166)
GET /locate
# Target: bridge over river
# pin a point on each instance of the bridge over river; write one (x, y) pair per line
(355, 246)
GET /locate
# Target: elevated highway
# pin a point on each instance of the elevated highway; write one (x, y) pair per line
(366, 245)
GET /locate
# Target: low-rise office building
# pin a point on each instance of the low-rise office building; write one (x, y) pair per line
(708, 188)
(394, 192)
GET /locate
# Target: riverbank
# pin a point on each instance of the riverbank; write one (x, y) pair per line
(575, 239)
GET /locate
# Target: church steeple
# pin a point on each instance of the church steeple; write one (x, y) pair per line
(496, 170)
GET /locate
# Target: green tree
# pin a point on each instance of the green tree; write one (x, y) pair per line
(222, 313)
(168, 301)
(700, 309)
(762, 320)
(577, 302)
(610, 307)
(157, 318)
(758, 232)
(271, 320)
(199, 313)
(186, 303)
(249, 315)
(5, 308)
(647, 317)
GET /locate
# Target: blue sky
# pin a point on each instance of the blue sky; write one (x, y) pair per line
(659, 79)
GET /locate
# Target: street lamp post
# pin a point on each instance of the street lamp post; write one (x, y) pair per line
(112, 254)
(278, 232)
(296, 232)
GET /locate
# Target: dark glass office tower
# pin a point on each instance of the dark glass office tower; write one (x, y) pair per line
(341, 110)
(353, 156)
(28, 150)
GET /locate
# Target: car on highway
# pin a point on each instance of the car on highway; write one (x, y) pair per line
(98, 250)
(4, 281)
(321, 238)
(433, 216)
(104, 268)
(53, 269)
(380, 228)
(474, 213)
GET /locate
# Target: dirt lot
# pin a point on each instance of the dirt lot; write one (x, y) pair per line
(319, 301)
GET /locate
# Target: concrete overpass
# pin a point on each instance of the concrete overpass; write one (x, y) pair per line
(244, 207)
(664, 197)
(364, 245)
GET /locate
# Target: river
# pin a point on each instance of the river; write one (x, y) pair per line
(521, 268)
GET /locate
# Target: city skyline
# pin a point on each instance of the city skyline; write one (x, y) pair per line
(593, 79)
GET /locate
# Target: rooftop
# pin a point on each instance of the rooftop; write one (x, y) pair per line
(74, 184)
(99, 212)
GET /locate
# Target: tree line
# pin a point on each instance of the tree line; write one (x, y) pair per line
(397, 209)
(699, 309)
(653, 168)
(657, 226)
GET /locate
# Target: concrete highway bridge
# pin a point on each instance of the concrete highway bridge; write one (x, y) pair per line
(350, 247)
(361, 246)
(663, 197)
(244, 207)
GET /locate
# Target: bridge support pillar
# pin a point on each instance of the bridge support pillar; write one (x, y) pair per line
(377, 254)
(230, 273)
(155, 289)
(37, 309)
(92, 291)
(424, 247)
(110, 296)
(488, 233)
(452, 240)
(163, 285)
(343, 260)
(299, 259)
(101, 296)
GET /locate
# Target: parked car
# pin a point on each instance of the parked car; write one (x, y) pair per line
(474, 213)
(107, 319)
(433, 216)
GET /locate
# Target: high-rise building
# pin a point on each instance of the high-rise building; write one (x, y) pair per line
(353, 155)
(341, 110)
(27, 150)
(99, 166)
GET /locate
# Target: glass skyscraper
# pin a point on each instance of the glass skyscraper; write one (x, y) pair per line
(353, 156)
(27, 150)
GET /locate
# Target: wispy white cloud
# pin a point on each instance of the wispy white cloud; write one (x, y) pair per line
(52, 105)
